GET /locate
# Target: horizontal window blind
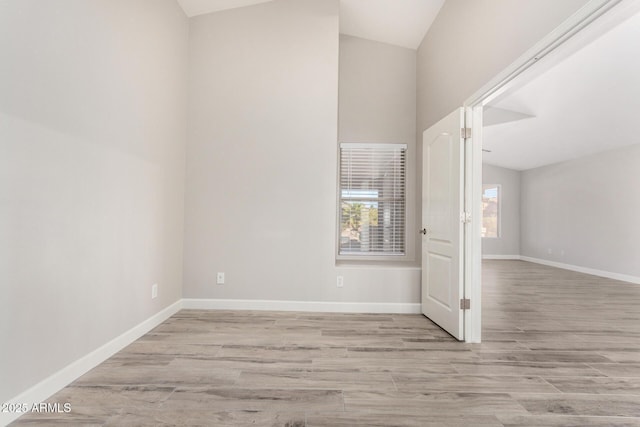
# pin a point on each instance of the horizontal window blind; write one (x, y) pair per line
(372, 199)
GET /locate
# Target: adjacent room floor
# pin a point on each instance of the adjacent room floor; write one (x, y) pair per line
(560, 349)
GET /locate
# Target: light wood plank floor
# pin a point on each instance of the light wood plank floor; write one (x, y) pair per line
(560, 349)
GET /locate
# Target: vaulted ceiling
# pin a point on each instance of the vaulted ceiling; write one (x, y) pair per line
(398, 22)
(584, 105)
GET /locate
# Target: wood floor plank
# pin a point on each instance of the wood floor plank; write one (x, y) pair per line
(204, 417)
(393, 365)
(566, 421)
(417, 382)
(291, 352)
(485, 367)
(597, 385)
(618, 369)
(543, 356)
(581, 404)
(222, 399)
(436, 404)
(316, 379)
(376, 419)
(170, 375)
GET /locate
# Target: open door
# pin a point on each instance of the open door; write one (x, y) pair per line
(443, 221)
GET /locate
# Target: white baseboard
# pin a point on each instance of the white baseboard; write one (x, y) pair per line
(310, 306)
(510, 257)
(49, 386)
(586, 270)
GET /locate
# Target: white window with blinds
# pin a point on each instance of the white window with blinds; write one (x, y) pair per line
(372, 205)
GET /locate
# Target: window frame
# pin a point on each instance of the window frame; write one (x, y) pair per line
(499, 212)
(369, 256)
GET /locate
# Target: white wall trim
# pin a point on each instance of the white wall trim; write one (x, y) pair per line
(349, 265)
(586, 270)
(511, 257)
(472, 233)
(308, 306)
(56, 382)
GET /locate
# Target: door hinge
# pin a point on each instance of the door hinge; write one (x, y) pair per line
(465, 133)
(465, 217)
(465, 304)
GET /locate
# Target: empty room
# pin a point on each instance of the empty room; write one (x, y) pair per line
(319, 212)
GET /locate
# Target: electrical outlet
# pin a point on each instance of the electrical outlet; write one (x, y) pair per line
(340, 282)
(154, 291)
(220, 279)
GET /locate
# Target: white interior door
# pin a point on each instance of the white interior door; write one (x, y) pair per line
(442, 222)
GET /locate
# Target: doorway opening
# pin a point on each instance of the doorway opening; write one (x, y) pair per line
(556, 142)
(497, 101)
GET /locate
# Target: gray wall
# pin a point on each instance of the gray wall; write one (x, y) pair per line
(377, 92)
(470, 42)
(585, 212)
(92, 137)
(377, 103)
(509, 241)
(262, 160)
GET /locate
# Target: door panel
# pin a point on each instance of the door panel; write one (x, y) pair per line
(440, 269)
(442, 205)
